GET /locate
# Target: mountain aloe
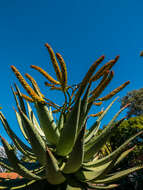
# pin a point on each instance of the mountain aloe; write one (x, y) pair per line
(62, 154)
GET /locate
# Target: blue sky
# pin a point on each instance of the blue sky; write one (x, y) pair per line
(80, 30)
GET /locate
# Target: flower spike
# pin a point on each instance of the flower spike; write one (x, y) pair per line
(54, 62)
(45, 74)
(27, 87)
(115, 91)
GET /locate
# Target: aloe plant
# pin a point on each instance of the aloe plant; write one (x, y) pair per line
(63, 154)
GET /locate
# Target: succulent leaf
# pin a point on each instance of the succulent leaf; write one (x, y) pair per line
(111, 186)
(88, 175)
(47, 123)
(15, 163)
(69, 132)
(4, 162)
(53, 174)
(22, 105)
(15, 184)
(99, 141)
(60, 124)
(83, 109)
(69, 187)
(118, 175)
(34, 120)
(115, 153)
(123, 155)
(36, 141)
(94, 128)
(18, 143)
(75, 159)
(21, 125)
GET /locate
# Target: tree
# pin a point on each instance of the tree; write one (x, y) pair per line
(127, 129)
(135, 98)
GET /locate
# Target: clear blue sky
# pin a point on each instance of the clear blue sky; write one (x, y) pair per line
(80, 30)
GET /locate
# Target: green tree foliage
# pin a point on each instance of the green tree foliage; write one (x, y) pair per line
(135, 98)
(125, 130)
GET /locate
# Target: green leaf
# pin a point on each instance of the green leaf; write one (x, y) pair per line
(123, 155)
(15, 184)
(98, 141)
(53, 175)
(69, 187)
(75, 159)
(15, 163)
(47, 123)
(115, 153)
(118, 175)
(34, 120)
(3, 187)
(21, 125)
(93, 131)
(36, 141)
(69, 132)
(95, 127)
(22, 105)
(60, 122)
(111, 186)
(87, 175)
(34, 167)
(91, 163)
(4, 162)
(18, 143)
(83, 109)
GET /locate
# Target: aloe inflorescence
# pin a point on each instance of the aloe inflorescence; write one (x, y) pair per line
(63, 154)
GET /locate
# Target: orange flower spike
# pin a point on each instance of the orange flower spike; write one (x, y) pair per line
(115, 91)
(91, 70)
(32, 80)
(117, 57)
(88, 75)
(105, 67)
(63, 70)
(56, 88)
(101, 87)
(112, 62)
(56, 111)
(48, 84)
(35, 84)
(54, 62)
(27, 87)
(106, 82)
(97, 114)
(103, 79)
(26, 97)
(97, 103)
(45, 74)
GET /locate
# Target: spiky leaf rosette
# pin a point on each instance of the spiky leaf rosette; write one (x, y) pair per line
(63, 154)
